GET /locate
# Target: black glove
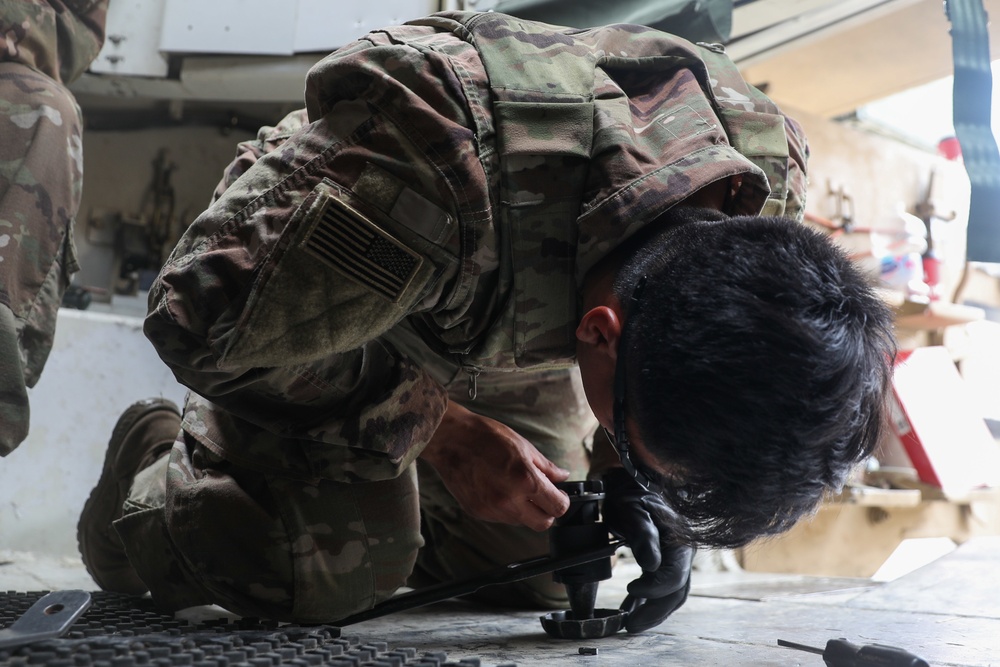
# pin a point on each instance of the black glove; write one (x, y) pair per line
(641, 518)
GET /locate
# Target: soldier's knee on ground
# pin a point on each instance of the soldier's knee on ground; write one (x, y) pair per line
(274, 547)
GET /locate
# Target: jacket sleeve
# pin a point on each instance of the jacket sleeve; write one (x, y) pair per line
(57, 37)
(271, 306)
(268, 139)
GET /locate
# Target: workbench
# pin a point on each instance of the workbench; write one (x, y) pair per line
(853, 535)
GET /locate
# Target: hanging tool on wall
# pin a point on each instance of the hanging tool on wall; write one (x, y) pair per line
(842, 220)
(843, 215)
(143, 242)
(157, 207)
(925, 210)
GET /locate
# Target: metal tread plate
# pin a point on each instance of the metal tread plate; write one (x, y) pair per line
(125, 631)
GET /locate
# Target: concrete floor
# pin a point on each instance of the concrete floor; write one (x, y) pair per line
(732, 618)
(463, 629)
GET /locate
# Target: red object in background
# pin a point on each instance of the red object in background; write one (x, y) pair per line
(950, 148)
(934, 417)
(932, 273)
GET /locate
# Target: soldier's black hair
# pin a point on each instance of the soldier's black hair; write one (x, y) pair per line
(758, 368)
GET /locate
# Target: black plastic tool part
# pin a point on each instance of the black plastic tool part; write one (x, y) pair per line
(603, 623)
(581, 528)
(50, 617)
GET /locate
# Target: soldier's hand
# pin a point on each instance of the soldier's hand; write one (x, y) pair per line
(494, 473)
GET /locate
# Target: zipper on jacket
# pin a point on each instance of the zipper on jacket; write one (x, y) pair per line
(473, 381)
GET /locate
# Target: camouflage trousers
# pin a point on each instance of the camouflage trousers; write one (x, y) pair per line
(41, 171)
(199, 530)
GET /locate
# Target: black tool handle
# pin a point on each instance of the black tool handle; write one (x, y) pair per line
(842, 653)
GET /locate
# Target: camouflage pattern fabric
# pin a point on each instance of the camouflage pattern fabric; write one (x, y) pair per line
(41, 171)
(385, 210)
(550, 410)
(59, 38)
(416, 235)
(265, 545)
(202, 530)
(40, 179)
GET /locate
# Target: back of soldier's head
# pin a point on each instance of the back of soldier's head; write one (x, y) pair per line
(758, 365)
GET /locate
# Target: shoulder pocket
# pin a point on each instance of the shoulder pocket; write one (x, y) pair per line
(342, 274)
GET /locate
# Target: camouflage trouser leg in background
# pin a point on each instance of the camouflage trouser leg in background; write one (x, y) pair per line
(41, 171)
(200, 530)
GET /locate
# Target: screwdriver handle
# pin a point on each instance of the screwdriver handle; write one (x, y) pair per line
(842, 653)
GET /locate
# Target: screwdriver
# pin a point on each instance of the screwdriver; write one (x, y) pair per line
(842, 653)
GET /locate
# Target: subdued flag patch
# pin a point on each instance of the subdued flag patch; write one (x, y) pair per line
(349, 242)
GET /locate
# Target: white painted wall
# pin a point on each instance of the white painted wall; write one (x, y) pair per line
(100, 364)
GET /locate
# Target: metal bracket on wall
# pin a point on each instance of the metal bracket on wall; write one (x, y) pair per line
(843, 211)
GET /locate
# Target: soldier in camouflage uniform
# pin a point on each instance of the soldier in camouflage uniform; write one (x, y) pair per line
(381, 314)
(46, 45)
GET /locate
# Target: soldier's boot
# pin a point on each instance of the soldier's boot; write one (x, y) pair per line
(144, 432)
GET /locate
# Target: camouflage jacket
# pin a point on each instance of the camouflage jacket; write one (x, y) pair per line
(454, 181)
(57, 37)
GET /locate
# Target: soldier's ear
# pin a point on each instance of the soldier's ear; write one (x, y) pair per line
(598, 335)
(600, 329)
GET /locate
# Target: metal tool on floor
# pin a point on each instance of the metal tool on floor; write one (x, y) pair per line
(580, 540)
(842, 653)
(50, 617)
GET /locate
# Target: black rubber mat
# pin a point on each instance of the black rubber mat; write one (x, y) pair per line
(124, 631)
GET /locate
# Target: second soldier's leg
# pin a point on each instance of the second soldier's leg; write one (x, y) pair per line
(40, 184)
(550, 410)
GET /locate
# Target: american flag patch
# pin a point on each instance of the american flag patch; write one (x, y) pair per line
(347, 241)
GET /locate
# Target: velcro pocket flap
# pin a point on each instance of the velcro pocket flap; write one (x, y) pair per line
(545, 128)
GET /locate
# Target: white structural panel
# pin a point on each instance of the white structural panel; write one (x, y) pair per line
(100, 364)
(323, 25)
(132, 46)
(265, 27)
(278, 27)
